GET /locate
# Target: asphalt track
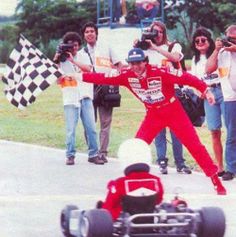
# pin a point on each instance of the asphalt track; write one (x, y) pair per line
(35, 184)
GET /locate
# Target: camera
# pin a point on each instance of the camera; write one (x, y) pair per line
(147, 35)
(225, 41)
(63, 50)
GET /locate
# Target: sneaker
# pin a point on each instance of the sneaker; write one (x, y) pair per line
(221, 173)
(96, 160)
(163, 167)
(163, 170)
(70, 160)
(227, 176)
(184, 169)
(103, 158)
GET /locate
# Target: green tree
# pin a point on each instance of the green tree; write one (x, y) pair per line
(214, 14)
(184, 16)
(8, 38)
(43, 20)
(225, 14)
(5, 49)
(9, 33)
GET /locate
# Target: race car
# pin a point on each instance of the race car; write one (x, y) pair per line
(141, 217)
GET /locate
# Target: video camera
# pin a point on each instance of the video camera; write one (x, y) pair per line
(227, 41)
(63, 50)
(147, 35)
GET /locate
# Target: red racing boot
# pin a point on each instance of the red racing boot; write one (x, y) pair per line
(220, 189)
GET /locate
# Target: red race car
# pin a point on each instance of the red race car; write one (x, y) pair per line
(151, 220)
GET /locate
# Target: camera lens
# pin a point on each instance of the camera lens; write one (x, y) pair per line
(225, 41)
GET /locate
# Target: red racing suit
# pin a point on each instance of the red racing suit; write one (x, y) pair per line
(136, 176)
(163, 109)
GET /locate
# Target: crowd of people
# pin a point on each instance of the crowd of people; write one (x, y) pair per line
(211, 73)
(92, 75)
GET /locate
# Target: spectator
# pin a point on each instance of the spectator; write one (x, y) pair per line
(123, 12)
(155, 88)
(223, 58)
(123, 7)
(77, 99)
(116, 10)
(203, 46)
(162, 52)
(102, 58)
(147, 8)
(136, 169)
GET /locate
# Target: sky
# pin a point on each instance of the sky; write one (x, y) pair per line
(7, 7)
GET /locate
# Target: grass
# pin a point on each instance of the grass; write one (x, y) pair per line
(42, 123)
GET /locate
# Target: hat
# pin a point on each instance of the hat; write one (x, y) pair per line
(135, 55)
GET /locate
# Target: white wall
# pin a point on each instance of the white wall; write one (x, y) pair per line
(120, 39)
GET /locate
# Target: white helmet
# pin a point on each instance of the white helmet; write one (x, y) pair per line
(134, 151)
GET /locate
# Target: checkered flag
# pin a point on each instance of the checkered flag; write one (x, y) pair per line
(29, 72)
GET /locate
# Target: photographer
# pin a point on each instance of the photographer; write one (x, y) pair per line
(223, 58)
(77, 99)
(162, 52)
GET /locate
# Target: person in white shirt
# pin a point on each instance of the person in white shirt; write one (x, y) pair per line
(203, 46)
(102, 58)
(223, 58)
(78, 102)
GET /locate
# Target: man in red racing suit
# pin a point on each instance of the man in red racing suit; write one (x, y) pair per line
(155, 88)
(137, 182)
(137, 174)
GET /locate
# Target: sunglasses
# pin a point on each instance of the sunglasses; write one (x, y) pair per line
(202, 40)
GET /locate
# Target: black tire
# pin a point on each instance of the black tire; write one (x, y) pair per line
(65, 219)
(212, 222)
(96, 223)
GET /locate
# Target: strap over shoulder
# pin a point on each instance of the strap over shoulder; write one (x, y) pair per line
(178, 65)
(171, 46)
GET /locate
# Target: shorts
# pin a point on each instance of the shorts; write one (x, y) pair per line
(214, 112)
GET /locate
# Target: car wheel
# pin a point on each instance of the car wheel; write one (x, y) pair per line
(65, 219)
(212, 222)
(96, 223)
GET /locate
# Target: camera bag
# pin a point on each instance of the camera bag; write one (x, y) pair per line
(192, 103)
(179, 65)
(105, 95)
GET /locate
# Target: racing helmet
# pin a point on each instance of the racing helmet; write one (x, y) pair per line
(134, 151)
